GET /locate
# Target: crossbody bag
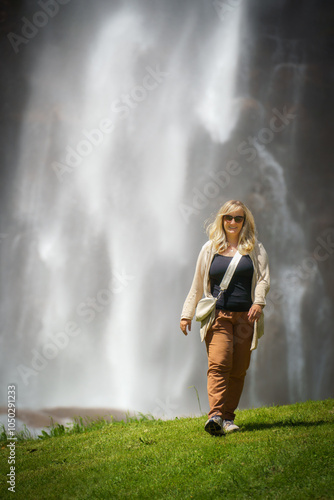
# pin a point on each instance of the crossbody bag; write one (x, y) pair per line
(206, 308)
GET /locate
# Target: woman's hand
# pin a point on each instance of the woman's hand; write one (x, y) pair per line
(254, 313)
(184, 324)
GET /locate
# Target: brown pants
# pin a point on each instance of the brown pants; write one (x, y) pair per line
(228, 344)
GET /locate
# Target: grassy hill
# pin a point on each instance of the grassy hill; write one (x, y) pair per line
(281, 452)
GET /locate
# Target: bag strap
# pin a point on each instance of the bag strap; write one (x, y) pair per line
(230, 271)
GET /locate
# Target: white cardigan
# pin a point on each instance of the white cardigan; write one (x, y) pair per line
(201, 284)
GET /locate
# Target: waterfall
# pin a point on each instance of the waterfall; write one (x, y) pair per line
(134, 132)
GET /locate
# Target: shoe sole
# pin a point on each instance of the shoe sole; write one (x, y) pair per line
(214, 429)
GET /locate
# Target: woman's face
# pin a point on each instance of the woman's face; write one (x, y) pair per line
(231, 226)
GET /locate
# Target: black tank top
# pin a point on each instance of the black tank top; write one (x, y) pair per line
(237, 297)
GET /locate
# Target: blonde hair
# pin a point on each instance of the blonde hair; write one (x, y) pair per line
(247, 236)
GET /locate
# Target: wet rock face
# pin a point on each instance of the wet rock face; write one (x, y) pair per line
(290, 65)
(292, 51)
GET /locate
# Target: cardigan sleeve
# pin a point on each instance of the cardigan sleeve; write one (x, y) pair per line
(196, 290)
(263, 280)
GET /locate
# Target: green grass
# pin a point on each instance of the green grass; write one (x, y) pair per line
(281, 452)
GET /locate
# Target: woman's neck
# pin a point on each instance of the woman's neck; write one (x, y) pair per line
(232, 242)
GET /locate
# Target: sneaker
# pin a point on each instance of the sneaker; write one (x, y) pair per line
(229, 426)
(214, 426)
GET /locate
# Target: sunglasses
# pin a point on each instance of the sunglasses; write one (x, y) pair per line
(238, 218)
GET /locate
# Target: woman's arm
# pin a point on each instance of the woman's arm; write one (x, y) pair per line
(196, 290)
(263, 282)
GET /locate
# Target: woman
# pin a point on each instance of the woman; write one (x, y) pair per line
(238, 320)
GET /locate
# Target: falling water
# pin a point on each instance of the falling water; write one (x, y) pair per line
(123, 133)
